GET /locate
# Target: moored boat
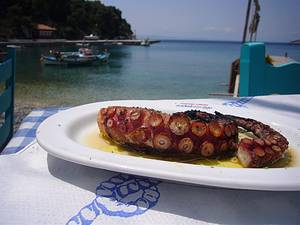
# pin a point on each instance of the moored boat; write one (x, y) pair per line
(145, 42)
(83, 57)
(91, 37)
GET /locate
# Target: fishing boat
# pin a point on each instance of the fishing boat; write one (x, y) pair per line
(91, 37)
(84, 56)
(145, 42)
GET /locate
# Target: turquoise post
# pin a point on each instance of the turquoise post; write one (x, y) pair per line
(7, 76)
(252, 69)
(12, 80)
(260, 78)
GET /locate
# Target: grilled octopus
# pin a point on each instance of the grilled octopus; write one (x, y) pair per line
(192, 132)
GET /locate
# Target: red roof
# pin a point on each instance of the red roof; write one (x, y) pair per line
(44, 27)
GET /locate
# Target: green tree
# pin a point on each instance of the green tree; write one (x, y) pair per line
(72, 18)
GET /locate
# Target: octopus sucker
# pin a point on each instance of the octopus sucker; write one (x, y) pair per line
(215, 129)
(199, 128)
(186, 145)
(179, 124)
(207, 149)
(162, 141)
(193, 132)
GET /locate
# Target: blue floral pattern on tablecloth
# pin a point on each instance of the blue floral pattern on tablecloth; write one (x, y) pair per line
(122, 196)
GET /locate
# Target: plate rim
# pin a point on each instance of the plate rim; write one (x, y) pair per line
(89, 160)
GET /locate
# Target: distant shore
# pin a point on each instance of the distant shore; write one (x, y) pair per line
(296, 42)
(46, 42)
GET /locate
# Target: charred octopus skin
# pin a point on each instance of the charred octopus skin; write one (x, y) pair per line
(204, 135)
(266, 149)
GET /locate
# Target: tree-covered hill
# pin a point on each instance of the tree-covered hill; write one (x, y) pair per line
(72, 18)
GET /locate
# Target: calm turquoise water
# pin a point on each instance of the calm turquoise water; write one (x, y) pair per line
(168, 70)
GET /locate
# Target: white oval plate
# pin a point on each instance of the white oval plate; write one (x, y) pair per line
(61, 135)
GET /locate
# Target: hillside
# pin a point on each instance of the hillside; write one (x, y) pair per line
(72, 19)
(295, 42)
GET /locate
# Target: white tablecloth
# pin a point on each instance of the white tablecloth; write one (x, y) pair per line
(37, 188)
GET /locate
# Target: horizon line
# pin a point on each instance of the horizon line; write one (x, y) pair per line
(211, 40)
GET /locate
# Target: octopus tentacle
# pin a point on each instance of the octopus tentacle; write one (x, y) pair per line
(180, 133)
(266, 149)
(192, 132)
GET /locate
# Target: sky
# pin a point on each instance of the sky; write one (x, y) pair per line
(209, 19)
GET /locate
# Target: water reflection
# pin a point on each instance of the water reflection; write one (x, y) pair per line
(170, 69)
(68, 84)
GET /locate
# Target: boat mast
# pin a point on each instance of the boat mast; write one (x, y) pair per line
(255, 21)
(247, 20)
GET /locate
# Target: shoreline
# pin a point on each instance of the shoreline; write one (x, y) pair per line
(47, 42)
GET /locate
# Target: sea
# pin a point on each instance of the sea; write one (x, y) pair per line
(166, 70)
